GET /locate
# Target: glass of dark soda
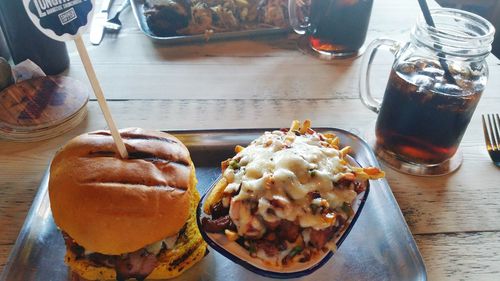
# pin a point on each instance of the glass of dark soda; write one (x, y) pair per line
(333, 28)
(435, 84)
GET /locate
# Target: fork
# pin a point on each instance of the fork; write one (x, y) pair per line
(114, 24)
(492, 136)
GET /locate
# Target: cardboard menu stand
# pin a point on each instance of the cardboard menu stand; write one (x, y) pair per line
(62, 20)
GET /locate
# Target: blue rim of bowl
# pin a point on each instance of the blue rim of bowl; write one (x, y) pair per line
(274, 274)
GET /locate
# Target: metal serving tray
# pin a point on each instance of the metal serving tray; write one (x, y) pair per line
(379, 246)
(138, 10)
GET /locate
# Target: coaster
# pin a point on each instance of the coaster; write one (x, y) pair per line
(41, 108)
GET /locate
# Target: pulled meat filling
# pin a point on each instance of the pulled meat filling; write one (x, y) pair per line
(138, 264)
(276, 236)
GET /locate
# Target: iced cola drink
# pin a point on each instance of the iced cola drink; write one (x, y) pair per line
(423, 116)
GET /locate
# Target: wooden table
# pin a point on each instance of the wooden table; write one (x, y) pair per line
(267, 83)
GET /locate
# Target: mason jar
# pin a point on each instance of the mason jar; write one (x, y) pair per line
(435, 84)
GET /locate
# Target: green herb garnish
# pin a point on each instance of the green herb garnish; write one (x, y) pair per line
(314, 208)
(295, 251)
(346, 207)
(252, 249)
(234, 164)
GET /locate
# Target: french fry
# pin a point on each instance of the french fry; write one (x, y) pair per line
(238, 148)
(231, 235)
(224, 164)
(349, 176)
(305, 126)
(335, 141)
(215, 195)
(344, 151)
(329, 135)
(374, 173)
(372, 170)
(362, 176)
(295, 126)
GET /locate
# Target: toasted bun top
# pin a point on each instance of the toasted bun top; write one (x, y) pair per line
(113, 206)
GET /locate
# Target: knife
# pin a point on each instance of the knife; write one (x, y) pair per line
(97, 26)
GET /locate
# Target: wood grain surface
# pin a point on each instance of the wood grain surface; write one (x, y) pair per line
(41, 102)
(267, 82)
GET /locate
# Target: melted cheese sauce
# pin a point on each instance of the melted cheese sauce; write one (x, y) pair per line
(155, 247)
(169, 243)
(275, 176)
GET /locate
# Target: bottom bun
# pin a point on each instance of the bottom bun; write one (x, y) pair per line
(189, 249)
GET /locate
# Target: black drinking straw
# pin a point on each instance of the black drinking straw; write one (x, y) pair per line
(430, 22)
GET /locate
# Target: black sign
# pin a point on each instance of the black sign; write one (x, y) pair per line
(61, 20)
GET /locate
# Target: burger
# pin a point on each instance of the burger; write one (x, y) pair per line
(126, 218)
(285, 199)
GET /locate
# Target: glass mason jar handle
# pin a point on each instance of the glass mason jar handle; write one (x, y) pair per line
(297, 26)
(364, 81)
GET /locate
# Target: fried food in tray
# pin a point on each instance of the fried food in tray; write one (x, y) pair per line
(287, 197)
(168, 18)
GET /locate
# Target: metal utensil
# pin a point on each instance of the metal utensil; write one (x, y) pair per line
(100, 18)
(114, 24)
(492, 136)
